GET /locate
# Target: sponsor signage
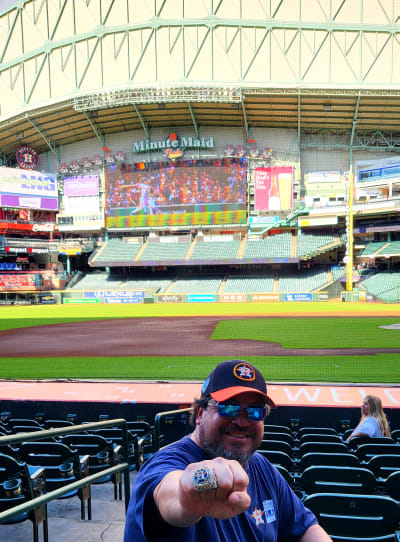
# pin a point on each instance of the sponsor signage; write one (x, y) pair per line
(264, 297)
(323, 221)
(170, 298)
(173, 146)
(27, 227)
(30, 190)
(233, 298)
(323, 296)
(117, 300)
(324, 177)
(82, 205)
(298, 297)
(102, 294)
(81, 185)
(201, 298)
(80, 300)
(273, 188)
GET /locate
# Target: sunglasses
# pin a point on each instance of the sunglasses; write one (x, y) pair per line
(230, 409)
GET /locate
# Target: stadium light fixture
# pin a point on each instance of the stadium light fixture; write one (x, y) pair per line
(117, 98)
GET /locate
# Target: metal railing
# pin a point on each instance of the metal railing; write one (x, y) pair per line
(42, 435)
(173, 418)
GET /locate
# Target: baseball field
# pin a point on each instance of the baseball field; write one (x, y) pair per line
(290, 342)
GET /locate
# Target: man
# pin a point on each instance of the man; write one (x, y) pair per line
(211, 486)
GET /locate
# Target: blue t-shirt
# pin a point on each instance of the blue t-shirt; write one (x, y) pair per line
(275, 512)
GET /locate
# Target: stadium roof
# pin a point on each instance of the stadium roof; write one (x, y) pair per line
(359, 117)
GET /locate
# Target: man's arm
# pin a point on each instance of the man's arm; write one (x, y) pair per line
(315, 533)
(181, 505)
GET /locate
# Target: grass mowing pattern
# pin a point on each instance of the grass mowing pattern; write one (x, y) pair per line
(300, 332)
(383, 368)
(313, 332)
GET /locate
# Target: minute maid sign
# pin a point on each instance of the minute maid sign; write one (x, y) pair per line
(174, 146)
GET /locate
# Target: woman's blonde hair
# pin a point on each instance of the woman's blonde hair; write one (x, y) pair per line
(376, 411)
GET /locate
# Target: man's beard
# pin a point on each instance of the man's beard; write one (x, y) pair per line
(218, 449)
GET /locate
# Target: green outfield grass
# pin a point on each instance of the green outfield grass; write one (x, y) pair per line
(302, 331)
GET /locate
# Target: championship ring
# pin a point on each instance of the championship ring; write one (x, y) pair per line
(204, 479)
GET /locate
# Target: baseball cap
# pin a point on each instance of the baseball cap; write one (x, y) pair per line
(232, 377)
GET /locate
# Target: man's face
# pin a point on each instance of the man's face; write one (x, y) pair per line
(233, 438)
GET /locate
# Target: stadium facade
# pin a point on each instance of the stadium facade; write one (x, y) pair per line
(229, 136)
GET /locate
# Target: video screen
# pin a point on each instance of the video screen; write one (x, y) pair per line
(181, 193)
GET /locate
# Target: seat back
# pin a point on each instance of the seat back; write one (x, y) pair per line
(383, 465)
(396, 435)
(55, 424)
(272, 428)
(357, 517)
(358, 441)
(323, 447)
(332, 479)
(366, 451)
(392, 485)
(278, 458)
(316, 430)
(315, 437)
(276, 445)
(15, 486)
(275, 435)
(22, 421)
(338, 460)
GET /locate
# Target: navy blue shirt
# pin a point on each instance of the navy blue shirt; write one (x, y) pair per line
(275, 513)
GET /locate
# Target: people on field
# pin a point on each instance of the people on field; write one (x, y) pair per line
(212, 485)
(373, 422)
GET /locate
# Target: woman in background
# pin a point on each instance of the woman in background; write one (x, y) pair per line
(373, 421)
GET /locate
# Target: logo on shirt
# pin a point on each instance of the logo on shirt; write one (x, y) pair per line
(269, 510)
(244, 372)
(258, 516)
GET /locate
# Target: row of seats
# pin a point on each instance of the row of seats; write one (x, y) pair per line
(274, 246)
(31, 468)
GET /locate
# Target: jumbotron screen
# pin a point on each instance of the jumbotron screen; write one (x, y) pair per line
(181, 193)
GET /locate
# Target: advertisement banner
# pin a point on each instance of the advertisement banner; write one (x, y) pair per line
(122, 294)
(86, 204)
(233, 298)
(273, 188)
(17, 281)
(116, 300)
(170, 298)
(298, 297)
(201, 298)
(81, 185)
(80, 300)
(265, 298)
(28, 189)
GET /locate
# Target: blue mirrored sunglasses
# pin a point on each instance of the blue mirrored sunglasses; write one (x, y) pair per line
(230, 409)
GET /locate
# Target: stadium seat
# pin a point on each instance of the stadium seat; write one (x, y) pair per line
(18, 486)
(276, 445)
(271, 428)
(285, 437)
(115, 435)
(358, 441)
(323, 447)
(333, 479)
(356, 518)
(334, 459)
(396, 435)
(383, 465)
(102, 455)
(316, 431)
(392, 485)
(278, 458)
(22, 422)
(316, 437)
(62, 466)
(56, 424)
(366, 451)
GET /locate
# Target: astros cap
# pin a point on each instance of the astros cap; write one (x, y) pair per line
(232, 377)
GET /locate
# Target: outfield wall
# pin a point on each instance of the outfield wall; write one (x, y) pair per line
(149, 297)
